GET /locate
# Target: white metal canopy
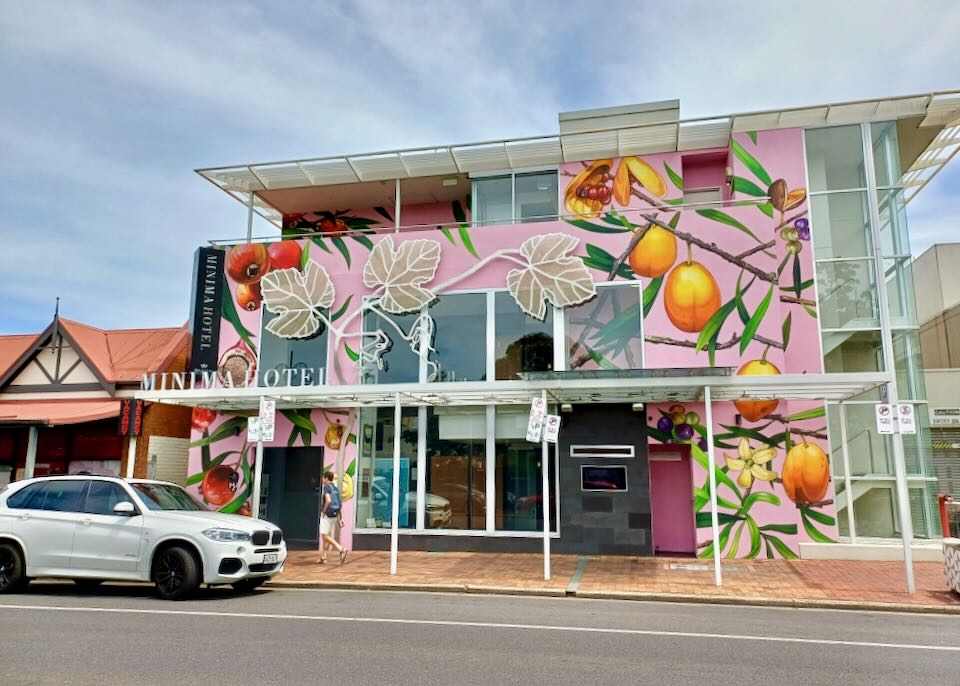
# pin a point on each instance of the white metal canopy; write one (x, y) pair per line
(656, 388)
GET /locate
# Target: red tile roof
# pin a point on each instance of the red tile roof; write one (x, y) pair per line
(57, 412)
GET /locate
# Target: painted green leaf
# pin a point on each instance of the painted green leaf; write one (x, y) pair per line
(467, 243)
(342, 247)
(354, 356)
(364, 241)
(738, 297)
(595, 228)
(617, 219)
(458, 213)
(783, 264)
(724, 218)
(705, 520)
(753, 136)
(768, 548)
(675, 178)
(360, 222)
(759, 497)
(294, 435)
(229, 311)
(785, 552)
(650, 292)
(812, 531)
(623, 272)
(193, 479)
(320, 243)
(766, 208)
(301, 420)
(304, 255)
(343, 309)
(205, 451)
(231, 427)
(715, 323)
(785, 329)
(804, 285)
(750, 329)
(735, 543)
(744, 432)
(821, 517)
(446, 232)
(812, 413)
(707, 552)
(382, 211)
(721, 474)
(351, 438)
(241, 499)
(797, 277)
(755, 539)
(809, 310)
(750, 162)
(742, 185)
(780, 528)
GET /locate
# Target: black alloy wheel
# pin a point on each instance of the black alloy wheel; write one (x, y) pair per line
(11, 568)
(176, 574)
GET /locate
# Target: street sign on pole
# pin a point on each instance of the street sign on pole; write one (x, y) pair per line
(906, 420)
(551, 429)
(253, 429)
(268, 412)
(884, 418)
(538, 412)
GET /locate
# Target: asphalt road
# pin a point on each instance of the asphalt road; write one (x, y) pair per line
(121, 634)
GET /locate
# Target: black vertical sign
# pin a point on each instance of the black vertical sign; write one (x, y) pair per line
(205, 313)
(131, 417)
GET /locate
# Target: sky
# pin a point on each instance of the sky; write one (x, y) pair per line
(106, 108)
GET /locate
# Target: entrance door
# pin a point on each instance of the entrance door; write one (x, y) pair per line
(291, 486)
(671, 500)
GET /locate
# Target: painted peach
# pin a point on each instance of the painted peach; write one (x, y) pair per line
(333, 436)
(806, 474)
(755, 410)
(654, 254)
(285, 255)
(247, 262)
(248, 296)
(691, 296)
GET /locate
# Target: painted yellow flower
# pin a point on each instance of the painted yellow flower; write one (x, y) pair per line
(750, 463)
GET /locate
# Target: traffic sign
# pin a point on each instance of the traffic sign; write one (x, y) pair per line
(253, 429)
(551, 429)
(884, 418)
(906, 420)
(538, 412)
(268, 413)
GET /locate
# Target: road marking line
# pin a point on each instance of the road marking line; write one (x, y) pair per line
(578, 574)
(485, 625)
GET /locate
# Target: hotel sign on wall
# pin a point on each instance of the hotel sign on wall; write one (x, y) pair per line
(206, 380)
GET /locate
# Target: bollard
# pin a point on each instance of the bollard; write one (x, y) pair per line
(944, 501)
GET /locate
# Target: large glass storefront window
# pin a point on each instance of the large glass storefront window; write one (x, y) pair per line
(398, 362)
(456, 468)
(375, 473)
(519, 475)
(291, 361)
(523, 344)
(460, 337)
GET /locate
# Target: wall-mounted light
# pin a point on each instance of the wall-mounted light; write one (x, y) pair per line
(637, 407)
(566, 408)
(447, 183)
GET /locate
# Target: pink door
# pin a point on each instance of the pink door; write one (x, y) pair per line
(671, 500)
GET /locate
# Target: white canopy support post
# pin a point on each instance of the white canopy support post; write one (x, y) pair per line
(257, 468)
(30, 465)
(712, 472)
(396, 206)
(395, 489)
(250, 217)
(545, 470)
(131, 456)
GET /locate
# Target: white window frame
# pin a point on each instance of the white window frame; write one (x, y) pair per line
(513, 174)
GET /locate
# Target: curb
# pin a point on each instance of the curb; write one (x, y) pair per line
(750, 601)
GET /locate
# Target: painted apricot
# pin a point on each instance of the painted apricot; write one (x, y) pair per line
(202, 418)
(755, 410)
(586, 194)
(284, 255)
(806, 474)
(634, 169)
(219, 485)
(247, 262)
(248, 296)
(346, 488)
(333, 436)
(691, 296)
(654, 254)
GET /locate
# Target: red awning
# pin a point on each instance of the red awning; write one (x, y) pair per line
(57, 412)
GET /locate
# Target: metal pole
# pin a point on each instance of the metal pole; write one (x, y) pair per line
(712, 472)
(257, 476)
(545, 470)
(131, 456)
(250, 218)
(847, 484)
(396, 205)
(395, 506)
(30, 465)
(886, 338)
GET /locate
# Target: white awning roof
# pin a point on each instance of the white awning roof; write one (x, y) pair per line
(622, 136)
(584, 390)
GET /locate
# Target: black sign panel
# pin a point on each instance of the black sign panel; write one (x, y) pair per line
(205, 313)
(131, 417)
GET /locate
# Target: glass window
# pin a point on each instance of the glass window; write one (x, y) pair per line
(898, 274)
(28, 498)
(375, 502)
(103, 496)
(916, 446)
(519, 479)
(460, 337)
(456, 467)
(840, 225)
(874, 513)
(166, 497)
(523, 344)
(493, 200)
(64, 496)
(886, 153)
(606, 332)
(893, 223)
(835, 158)
(398, 362)
(536, 197)
(909, 364)
(848, 294)
(296, 360)
(856, 351)
(868, 451)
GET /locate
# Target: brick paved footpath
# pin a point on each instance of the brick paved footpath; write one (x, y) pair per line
(817, 581)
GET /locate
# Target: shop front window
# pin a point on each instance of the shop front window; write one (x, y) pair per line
(460, 337)
(456, 468)
(291, 361)
(519, 477)
(523, 344)
(397, 363)
(375, 499)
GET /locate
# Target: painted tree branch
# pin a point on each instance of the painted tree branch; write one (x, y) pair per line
(734, 340)
(798, 301)
(789, 221)
(757, 249)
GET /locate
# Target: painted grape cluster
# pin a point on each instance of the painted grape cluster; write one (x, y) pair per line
(680, 426)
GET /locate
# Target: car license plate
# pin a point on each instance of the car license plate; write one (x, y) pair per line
(270, 558)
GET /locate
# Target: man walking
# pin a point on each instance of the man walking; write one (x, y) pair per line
(330, 512)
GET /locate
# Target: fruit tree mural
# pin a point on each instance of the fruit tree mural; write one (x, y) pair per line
(729, 284)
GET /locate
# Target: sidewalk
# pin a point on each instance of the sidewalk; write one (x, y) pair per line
(807, 583)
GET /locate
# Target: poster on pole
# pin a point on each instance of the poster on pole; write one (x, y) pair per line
(551, 429)
(884, 418)
(268, 412)
(538, 412)
(906, 419)
(253, 429)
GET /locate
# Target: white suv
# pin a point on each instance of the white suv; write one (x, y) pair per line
(89, 529)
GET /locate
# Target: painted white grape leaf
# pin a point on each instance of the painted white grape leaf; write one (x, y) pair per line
(401, 272)
(551, 275)
(296, 297)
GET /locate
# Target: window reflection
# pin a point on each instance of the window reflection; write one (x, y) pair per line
(302, 356)
(460, 338)
(605, 332)
(400, 364)
(456, 468)
(375, 472)
(523, 344)
(518, 478)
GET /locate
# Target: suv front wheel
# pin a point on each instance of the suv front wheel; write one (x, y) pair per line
(176, 573)
(12, 571)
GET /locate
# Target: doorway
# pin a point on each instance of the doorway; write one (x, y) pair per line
(290, 493)
(671, 500)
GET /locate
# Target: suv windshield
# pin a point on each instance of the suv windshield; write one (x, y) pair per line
(166, 497)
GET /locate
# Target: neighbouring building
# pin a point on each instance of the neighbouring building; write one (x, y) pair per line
(732, 289)
(61, 398)
(937, 285)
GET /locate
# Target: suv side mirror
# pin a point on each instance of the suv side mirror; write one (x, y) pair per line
(124, 509)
